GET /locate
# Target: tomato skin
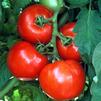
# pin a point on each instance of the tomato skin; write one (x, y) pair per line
(24, 61)
(70, 51)
(52, 4)
(62, 79)
(67, 29)
(29, 30)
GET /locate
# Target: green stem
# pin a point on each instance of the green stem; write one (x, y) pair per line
(55, 28)
(55, 32)
(60, 4)
(9, 86)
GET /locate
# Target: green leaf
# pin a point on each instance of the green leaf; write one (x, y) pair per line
(33, 92)
(97, 59)
(8, 21)
(39, 96)
(96, 85)
(96, 89)
(16, 96)
(86, 97)
(0, 13)
(78, 2)
(1, 21)
(11, 41)
(4, 72)
(27, 91)
(10, 25)
(63, 19)
(88, 29)
(6, 4)
(90, 73)
(19, 4)
(99, 5)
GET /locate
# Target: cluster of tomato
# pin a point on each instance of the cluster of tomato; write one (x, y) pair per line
(63, 79)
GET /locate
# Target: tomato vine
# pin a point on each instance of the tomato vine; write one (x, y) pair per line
(46, 31)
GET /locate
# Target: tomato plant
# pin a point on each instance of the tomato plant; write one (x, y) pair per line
(24, 61)
(28, 27)
(59, 30)
(68, 51)
(64, 80)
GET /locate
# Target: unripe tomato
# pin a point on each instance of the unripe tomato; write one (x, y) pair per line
(63, 79)
(29, 29)
(52, 4)
(68, 51)
(24, 61)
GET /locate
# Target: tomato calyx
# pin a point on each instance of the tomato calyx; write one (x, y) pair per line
(48, 51)
(64, 39)
(41, 21)
(45, 49)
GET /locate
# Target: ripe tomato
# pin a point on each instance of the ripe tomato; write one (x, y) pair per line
(70, 51)
(29, 29)
(52, 4)
(62, 79)
(67, 30)
(24, 61)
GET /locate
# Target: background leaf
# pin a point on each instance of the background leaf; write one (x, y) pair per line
(19, 4)
(33, 92)
(4, 72)
(99, 5)
(96, 89)
(97, 59)
(86, 97)
(1, 22)
(78, 2)
(96, 85)
(88, 29)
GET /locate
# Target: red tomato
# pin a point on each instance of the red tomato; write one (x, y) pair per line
(24, 61)
(62, 79)
(29, 30)
(70, 51)
(67, 30)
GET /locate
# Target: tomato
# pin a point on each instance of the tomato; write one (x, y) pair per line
(62, 79)
(24, 61)
(69, 51)
(28, 28)
(52, 4)
(67, 30)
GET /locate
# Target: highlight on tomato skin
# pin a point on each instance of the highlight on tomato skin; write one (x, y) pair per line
(24, 61)
(68, 51)
(62, 79)
(28, 26)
